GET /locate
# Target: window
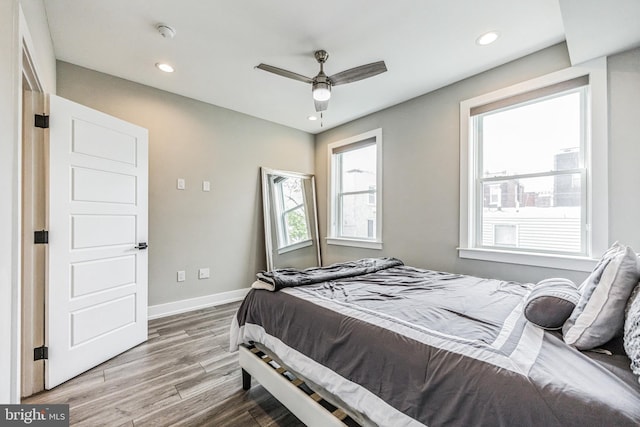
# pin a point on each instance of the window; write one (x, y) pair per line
(290, 207)
(530, 169)
(532, 180)
(505, 235)
(355, 183)
(495, 196)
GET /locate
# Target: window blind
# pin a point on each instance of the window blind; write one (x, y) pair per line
(533, 94)
(354, 146)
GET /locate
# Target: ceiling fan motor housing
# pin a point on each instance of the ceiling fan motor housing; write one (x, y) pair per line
(321, 56)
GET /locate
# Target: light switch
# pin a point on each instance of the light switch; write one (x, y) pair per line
(203, 273)
(181, 276)
(206, 186)
(181, 184)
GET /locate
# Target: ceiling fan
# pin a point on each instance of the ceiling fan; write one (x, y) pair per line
(321, 84)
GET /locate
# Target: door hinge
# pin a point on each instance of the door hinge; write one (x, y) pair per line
(41, 237)
(41, 353)
(42, 121)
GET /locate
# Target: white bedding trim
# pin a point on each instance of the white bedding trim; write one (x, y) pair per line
(259, 284)
(509, 324)
(528, 348)
(474, 349)
(354, 395)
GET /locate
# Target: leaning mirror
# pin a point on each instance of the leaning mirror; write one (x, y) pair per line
(290, 219)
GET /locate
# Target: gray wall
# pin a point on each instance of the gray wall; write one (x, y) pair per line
(421, 168)
(221, 229)
(624, 147)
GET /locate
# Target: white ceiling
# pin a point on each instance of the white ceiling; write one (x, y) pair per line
(596, 28)
(426, 44)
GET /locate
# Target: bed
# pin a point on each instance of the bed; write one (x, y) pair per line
(392, 345)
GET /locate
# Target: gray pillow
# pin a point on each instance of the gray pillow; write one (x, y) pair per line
(599, 315)
(632, 331)
(551, 302)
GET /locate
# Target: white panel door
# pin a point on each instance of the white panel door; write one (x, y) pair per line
(96, 298)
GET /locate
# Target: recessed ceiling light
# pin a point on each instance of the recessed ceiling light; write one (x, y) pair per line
(312, 118)
(164, 67)
(487, 38)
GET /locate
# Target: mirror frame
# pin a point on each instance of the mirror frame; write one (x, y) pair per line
(268, 209)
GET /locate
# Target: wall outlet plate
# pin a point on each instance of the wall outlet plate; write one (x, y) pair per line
(206, 186)
(182, 276)
(181, 184)
(203, 273)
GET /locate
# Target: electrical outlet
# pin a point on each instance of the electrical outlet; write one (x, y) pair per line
(181, 184)
(206, 186)
(203, 273)
(182, 276)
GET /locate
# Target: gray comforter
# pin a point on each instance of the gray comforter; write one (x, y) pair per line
(293, 277)
(407, 346)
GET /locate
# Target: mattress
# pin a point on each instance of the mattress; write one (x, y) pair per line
(411, 347)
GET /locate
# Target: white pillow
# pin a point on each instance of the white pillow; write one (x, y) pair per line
(599, 315)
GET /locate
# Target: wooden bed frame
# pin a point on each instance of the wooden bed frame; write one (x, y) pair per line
(310, 408)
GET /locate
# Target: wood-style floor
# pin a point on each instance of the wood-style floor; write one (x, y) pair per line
(182, 376)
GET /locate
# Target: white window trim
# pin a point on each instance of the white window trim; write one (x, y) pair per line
(295, 246)
(357, 243)
(332, 239)
(596, 154)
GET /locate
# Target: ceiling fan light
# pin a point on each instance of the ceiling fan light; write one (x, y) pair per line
(321, 91)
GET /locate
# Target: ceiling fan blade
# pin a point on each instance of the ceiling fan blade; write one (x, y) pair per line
(358, 73)
(285, 73)
(321, 105)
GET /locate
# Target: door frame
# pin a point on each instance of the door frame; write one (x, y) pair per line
(32, 213)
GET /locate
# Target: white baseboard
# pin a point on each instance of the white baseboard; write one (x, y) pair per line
(182, 306)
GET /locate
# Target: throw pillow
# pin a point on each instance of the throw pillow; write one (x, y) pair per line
(599, 315)
(551, 302)
(632, 331)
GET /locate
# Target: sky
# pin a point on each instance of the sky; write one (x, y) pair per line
(525, 139)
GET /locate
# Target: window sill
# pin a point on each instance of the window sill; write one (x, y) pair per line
(562, 262)
(295, 246)
(357, 243)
